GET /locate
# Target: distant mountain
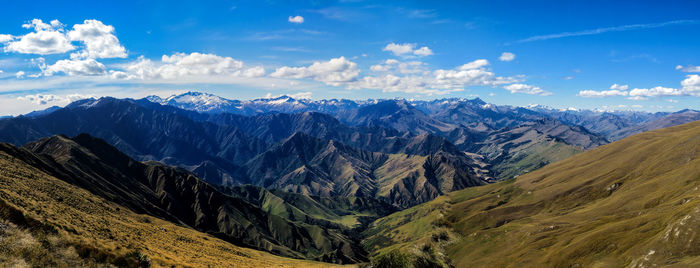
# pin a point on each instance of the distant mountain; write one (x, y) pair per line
(216, 145)
(145, 132)
(444, 115)
(42, 112)
(613, 125)
(630, 203)
(669, 120)
(209, 103)
(396, 114)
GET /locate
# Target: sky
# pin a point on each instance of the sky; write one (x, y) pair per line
(609, 55)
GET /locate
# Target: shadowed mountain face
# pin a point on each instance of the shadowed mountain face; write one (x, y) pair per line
(164, 134)
(308, 165)
(177, 195)
(631, 203)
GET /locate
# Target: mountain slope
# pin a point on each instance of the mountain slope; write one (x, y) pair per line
(178, 196)
(308, 165)
(93, 228)
(630, 203)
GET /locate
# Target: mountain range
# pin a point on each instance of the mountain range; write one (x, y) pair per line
(336, 181)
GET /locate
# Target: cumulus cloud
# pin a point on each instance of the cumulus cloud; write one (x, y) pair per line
(410, 67)
(19, 74)
(6, 37)
(690, 86)
(44, 99)
(407, 49)
(46, 39)
(423, 51)
(480, 63)
(182, 65)
(654, 92)
(619, 87)
(506, 56)
(470, 74)
(440, 81)
(526, 89)
(687, 69)
(335, 72)
(71, 67)
(296, 19)
(99, 40)
(601, 94)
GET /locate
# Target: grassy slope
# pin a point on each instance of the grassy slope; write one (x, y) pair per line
(97, 227)
(635, 202)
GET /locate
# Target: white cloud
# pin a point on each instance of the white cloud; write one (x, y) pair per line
(423, 51)
(601, 94)
(654, 92)
(19, 74)
(296, 19)
(45, 99)
(469, 74)
(183, 65)
(257, 71)
(6, 37)
(46, 39)
(506, 56)
(75, 68)
(480, 63)
(410, 67)
(690, 86)
(439, 81)
(99, 40)
(335, 72)
(619, 87)
(301, 95)
(527, 89)
(50, 38)
(407, 49)
(399, 49)
(688, 69)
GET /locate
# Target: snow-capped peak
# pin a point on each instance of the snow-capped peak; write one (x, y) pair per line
(196, 101)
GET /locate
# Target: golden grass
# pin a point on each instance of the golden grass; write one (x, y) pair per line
(89, 222)
(634, 203)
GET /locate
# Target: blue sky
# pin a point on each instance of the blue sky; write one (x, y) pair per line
(585, 54)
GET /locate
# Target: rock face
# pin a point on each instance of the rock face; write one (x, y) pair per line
(179, 196)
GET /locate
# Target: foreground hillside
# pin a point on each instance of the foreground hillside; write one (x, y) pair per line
(53, 223)
(630, 203)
